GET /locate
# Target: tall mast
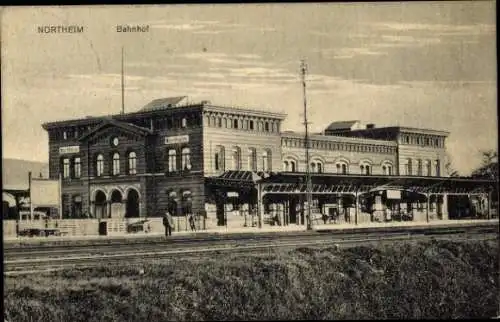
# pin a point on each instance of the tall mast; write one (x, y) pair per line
(123, 84)
(303, 69)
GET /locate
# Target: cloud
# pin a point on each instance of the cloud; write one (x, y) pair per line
(178, 27)
(226, 59)
(208, 27)
(350, 52)
(441, 29)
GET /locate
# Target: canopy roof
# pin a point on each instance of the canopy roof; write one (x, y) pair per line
(328, 183)
(237, 179)
(294, 182)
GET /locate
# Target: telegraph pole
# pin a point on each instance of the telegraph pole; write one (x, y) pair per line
(123, 84)
(303, 69)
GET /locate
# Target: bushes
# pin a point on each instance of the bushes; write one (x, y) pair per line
(410, 280)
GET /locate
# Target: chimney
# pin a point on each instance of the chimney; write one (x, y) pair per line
(370, 126)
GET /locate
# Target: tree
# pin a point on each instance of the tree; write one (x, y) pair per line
(448, 168)
(450, 171)
(489, 166)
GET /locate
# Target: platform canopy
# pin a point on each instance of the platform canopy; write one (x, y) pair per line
(17, 193)
(324, 183)
(237, 179)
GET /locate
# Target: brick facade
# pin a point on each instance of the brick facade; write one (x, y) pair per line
(176, 147)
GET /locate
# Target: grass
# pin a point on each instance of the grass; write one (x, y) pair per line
(435, 279)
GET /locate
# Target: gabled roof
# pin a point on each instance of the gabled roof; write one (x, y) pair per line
(123, 125)
(163, 103)
(341, 125)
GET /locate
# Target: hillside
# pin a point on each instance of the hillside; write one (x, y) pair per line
(15, 172)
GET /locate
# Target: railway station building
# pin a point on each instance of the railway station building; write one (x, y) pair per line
(234, 166)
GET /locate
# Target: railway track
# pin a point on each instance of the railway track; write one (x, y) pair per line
(159, 243)
(26, 262)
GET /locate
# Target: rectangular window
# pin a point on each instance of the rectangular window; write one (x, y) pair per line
(77, 167)
(172, 160)
(132, 163)
(252, 159)
(186, 159)
(100, 166)
(66, 168)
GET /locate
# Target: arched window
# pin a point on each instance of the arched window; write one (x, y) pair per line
(266, 126)
(235, 123)
(266, 160)
(252, 159)
(251, 125)
(219, 122)
(228, 123)
(341, 167)
(365, 169)
(293, 166)
(186, 159)
(116, 164)
(66, 168)
(409, 167)
(316, 166)
(438, 168)
(213, 121)
(207, 120)
(387, 169)
(77, 168)
(286, 166)
(219, 158)
(187, 203)
(236, 158)
(100, 165)
(428, 168)
(76, 207)
(172, 160)
(172, 202)
(132, 163)
(419, 167)
(184, 122)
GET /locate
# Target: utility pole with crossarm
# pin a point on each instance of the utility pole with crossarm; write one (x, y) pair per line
(303, 69)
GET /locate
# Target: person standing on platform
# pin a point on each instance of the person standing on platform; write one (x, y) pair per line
(191, 222)
(168, 222)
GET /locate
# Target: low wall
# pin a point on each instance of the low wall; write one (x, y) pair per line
(9, 228)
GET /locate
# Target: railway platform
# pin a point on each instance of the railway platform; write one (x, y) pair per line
(234, 231)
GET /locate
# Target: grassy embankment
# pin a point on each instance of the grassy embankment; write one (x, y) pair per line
(425, 280)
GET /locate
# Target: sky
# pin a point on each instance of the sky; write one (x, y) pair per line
(416, 64)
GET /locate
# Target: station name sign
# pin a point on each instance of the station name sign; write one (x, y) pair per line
(177, 139)
(69, 149)
(394, 194)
